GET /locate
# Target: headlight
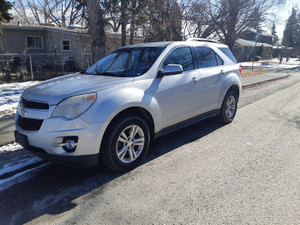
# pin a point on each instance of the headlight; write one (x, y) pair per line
(74, 106)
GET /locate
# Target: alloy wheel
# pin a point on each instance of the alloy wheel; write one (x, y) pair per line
(230, 107)
(130, 144)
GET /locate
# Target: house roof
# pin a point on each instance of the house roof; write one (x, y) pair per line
(245, 43)
(282, 47)
(51, 27)
(263, 33)
(42, 27)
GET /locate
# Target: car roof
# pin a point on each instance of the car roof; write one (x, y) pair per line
(165, 43)
(149, 44)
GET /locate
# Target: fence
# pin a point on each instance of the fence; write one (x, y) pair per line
(36, 66)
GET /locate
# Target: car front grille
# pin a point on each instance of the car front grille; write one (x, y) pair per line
(34, 105)
(30, 124)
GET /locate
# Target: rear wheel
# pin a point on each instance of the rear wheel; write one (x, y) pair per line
(125, 143)
(229, 107)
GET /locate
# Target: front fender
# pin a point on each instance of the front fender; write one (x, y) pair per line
(111, 102)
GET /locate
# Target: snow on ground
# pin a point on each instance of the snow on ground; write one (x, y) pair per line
(20, 177)
(7, 168)
(10, 147)
(274, 63)
(10, 95)
(15, 158)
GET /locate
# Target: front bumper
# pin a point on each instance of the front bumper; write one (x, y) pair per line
(44, 142)
(76, 161)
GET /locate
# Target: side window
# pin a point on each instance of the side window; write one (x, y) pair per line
(219, 60)
(228, 53)
(182, 56)
(206, 57)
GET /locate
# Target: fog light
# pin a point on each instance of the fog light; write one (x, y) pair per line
(69, 144)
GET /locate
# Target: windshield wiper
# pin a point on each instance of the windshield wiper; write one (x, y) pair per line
(107, 74)
(102, 74)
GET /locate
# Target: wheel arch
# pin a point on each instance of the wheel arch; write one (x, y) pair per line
(138, 111)
(234, 88)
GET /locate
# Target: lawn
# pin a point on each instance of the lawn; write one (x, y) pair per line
(246, 73)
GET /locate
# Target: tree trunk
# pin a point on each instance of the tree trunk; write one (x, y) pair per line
(96, 28)
(231, 34)
(132, 25)
(123, 21)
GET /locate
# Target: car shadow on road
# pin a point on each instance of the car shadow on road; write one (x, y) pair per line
(53, 189)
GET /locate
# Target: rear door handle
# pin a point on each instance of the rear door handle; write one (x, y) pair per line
(222, 72)
(195, 79)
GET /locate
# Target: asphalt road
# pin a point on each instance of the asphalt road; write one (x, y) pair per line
(7, 127)
(247, 172)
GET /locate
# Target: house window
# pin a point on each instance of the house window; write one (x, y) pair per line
(34, 42)
(65, 45)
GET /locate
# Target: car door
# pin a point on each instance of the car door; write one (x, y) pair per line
(176, 96)
(211, 77)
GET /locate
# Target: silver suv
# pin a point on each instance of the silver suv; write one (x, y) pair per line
(111, 112)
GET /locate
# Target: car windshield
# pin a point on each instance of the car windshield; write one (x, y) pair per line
(126, 62)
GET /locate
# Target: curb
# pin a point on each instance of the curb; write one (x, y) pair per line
(264, 82)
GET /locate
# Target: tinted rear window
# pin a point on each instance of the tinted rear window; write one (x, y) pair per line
(229, 54)
(205, 57)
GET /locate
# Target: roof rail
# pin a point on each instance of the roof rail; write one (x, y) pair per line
(202, 39)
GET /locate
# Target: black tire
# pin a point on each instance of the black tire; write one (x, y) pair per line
(111, 143)
(226, 117)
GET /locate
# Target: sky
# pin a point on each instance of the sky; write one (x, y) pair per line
(283, 14)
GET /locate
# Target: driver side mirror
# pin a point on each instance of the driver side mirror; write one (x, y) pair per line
(170, 69)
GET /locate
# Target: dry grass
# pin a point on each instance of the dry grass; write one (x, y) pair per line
(246, 73)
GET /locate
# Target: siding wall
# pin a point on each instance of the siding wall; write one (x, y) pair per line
(14, 41)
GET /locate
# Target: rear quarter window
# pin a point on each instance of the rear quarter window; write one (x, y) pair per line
(228, 53)
(206, 57)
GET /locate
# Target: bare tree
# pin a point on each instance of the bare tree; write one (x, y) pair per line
(164, 18)
(195, 21)
(60, 12)
(124, 16)
(136, 17)
(229, 18)
(111, 9)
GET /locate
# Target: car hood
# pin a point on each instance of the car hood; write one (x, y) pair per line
(57, 89)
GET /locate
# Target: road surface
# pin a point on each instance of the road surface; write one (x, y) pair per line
(247, 172)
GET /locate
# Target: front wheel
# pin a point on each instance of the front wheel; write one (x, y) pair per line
(125, 143)
(229, 107)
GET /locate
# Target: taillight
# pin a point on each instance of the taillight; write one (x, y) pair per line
(241, 69)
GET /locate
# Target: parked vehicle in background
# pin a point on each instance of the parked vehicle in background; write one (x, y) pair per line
(111, 112)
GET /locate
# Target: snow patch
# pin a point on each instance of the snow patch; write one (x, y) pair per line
(19, 177)
(274, 63)
(10, 95)
(10, 147)
(19, 165)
